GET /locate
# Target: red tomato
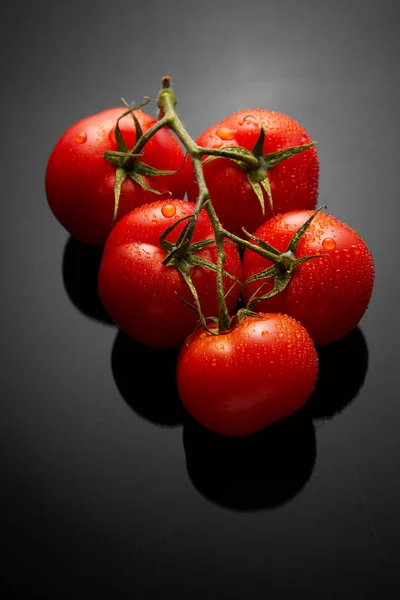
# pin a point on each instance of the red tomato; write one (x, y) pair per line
(80, 181)
(293, 182)
(260, 371)
(328, 295)
(141, 294)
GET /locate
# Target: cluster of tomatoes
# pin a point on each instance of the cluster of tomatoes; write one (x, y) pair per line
(293, 277)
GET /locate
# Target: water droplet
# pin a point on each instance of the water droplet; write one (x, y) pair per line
(346, 253)
(329, 243)
(336, 254)
(356, 249)
(265, 333)
(226, 133)
(338, 273)
(280, 333)
(81, 137)
(168, 210)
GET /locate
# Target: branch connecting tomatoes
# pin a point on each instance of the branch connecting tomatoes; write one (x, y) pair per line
(244, 276)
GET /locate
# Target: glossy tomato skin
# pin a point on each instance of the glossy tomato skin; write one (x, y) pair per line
(328, 295)
(294, 182)
(80, 181)
(143, 296)
(262, 370)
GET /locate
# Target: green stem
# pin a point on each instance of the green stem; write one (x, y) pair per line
(166, 102)
(276, 258)
(149, 133)
(251, 161)
(224, 320)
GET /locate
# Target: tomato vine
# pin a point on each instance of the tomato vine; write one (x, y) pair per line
(256, 165)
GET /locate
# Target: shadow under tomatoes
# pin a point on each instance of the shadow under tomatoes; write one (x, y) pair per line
(261, 471)
(146, 379)
(80, 267)
(343, 366)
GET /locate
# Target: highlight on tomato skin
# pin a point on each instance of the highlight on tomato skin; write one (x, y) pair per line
(238, 382)
(330, 294)
(80, 182)
(142, 295)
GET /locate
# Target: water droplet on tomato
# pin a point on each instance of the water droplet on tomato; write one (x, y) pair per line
(356, 249)
(81, 138)
(280, 333)
(226, 133)
(216, 145)
(329, 243)
(168, 210)
(338, 273)
(346, 253)
(265, 333)
(336, 254)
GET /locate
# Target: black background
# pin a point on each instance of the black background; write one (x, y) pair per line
(107, 491)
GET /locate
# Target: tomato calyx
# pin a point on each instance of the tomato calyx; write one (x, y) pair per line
(258, 178)
(257, 170)
(284, 263)
(127, 161)
(182, 255)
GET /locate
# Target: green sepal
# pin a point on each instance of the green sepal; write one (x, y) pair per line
(171, 227)
(281, 281)
(176, 251)
(201, 262)
(269, 251)
(284, 263)
(117, 158)
(267, 187)
(274, 158)
(236, 154)
(242, 313)
(272, 271)
(138, 129)
(257, 189)
(300, 232)
(303, 259)
(259, 145)
(120, 176)
(149, 171)
(203, 244)
(196, 307)
(139, 179)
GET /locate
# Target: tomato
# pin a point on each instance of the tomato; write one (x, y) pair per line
(80, 181)
(293, 182)
(260, 371)
(328, 295)
(143, 296)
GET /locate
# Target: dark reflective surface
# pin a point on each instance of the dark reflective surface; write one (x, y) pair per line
(81, 264)
(262, 471)
(342, 371)
(108, 489)
(145, 377)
